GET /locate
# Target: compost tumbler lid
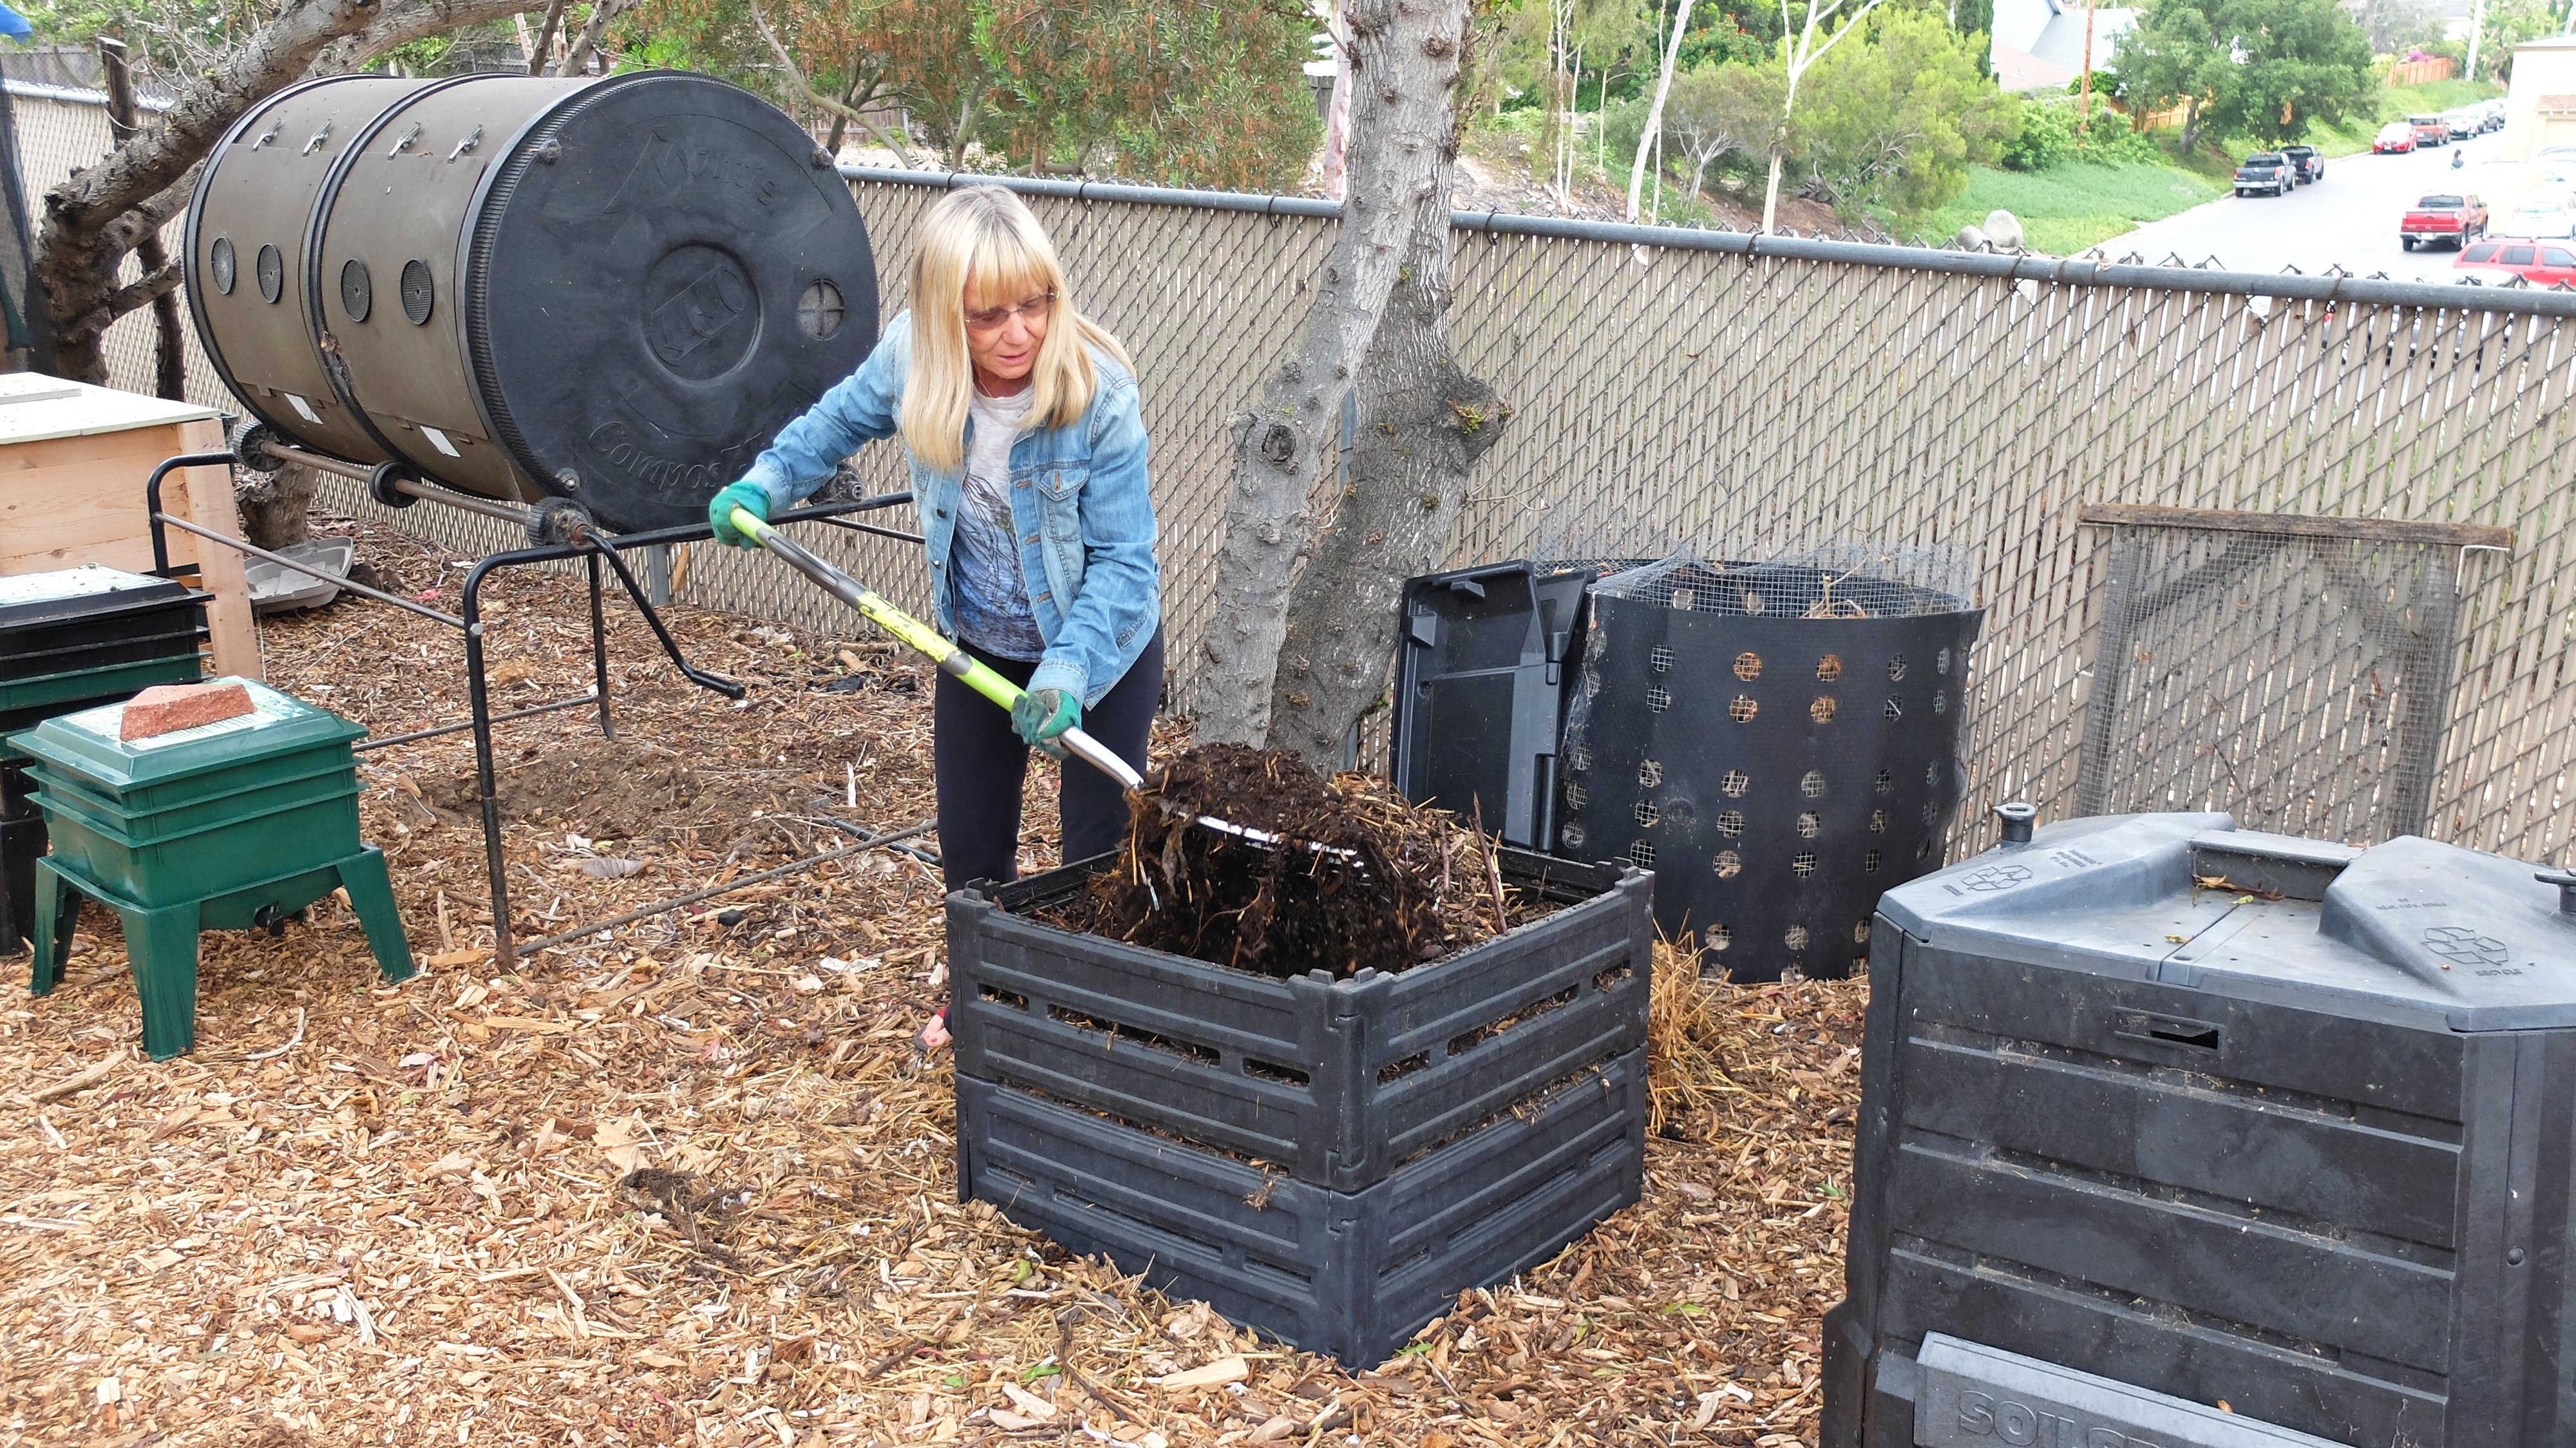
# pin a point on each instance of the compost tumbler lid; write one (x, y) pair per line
(664, 271)
(2407, 928)
(86, 743)
(93, 590)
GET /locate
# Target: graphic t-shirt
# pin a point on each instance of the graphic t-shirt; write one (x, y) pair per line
(990, 593)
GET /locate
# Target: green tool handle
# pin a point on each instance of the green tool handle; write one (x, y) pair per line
(952, 660)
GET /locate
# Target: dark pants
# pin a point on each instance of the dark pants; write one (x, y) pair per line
(981, 766)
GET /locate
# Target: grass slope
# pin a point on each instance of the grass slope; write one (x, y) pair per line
(2068, 208)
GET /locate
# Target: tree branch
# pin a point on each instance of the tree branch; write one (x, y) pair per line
(600, 14)
(805, 89)
(545, 37)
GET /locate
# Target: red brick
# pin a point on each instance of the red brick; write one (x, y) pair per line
(167, 707)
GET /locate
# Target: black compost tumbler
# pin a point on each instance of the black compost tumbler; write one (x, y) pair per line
(2175, 1135)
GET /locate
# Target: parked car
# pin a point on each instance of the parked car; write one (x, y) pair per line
(2394, 139)
(2556, 153)
(2269, 172)
(2543, 213)
(2452, 217)
(2307, 163)
(2493, 112)
(2463, 123)
(2536, 262)
(2430, 130)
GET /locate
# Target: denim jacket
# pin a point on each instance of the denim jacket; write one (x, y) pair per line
(1079, 499)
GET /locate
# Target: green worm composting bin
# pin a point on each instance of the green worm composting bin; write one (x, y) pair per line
(227, 825)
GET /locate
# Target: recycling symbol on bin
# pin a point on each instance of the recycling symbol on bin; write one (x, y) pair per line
(1995, 877)
(2462, 946)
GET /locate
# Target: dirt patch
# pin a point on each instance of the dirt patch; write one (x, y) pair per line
(1363, 879)
(608, 790)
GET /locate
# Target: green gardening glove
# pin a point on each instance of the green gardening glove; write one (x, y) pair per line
(748, 496)
(1042, 714)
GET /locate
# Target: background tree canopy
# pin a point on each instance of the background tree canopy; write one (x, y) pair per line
(1185, 92)
(2263, 69)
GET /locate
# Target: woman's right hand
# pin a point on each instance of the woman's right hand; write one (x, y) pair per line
(751, 497)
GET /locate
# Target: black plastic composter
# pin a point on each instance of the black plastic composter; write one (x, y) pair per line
(70, 639)
(1777, 741)
(2182, 1135)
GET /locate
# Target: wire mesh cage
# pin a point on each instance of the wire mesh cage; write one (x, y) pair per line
(2293, 671)
(1777, 739)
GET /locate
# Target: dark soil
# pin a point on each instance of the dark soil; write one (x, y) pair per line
(1365, 880)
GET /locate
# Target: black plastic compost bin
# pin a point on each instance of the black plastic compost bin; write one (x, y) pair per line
(1480, 696)
(70, 639)
(1777, 741)
(2182, 1135)
(1328, 1161)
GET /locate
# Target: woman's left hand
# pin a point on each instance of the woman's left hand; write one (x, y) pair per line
(1043, 714)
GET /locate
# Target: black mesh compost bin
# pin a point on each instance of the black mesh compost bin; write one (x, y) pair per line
(1777, 741)
(1326, 1160)
(2179, 1134)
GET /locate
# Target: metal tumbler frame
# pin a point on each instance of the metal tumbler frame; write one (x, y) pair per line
(578, 538)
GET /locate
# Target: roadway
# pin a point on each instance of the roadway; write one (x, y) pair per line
(2347, 219)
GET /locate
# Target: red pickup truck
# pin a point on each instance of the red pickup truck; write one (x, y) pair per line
(2453, 217)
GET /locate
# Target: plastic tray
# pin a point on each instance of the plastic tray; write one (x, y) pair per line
(1336, 1080)
(277, 588)
(257, 843)
(48, 696)
(92, 616)
(1352, 1274)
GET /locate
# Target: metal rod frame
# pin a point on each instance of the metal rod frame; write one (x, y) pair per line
(2047, 270)
(595, 548)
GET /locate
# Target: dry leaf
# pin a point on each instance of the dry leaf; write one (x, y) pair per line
(1010, 1422)
(451, 959)
(1274, 1430)
(618, 1141)
(605, 867)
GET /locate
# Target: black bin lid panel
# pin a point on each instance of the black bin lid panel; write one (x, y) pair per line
(649, 312)
(1479, 694)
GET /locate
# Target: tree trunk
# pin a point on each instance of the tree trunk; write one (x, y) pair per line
(1404, 57)
(1422, 423)
(1655, 113)
(124, 118)
(107, 210)
(276, 508)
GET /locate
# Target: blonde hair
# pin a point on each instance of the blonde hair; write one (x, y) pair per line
(987, 237)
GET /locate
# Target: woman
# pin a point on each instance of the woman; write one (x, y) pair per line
(1028, 469)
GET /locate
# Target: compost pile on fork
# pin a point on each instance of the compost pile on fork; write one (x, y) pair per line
(1358, 879)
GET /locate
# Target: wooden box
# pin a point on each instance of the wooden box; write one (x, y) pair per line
(73, 462)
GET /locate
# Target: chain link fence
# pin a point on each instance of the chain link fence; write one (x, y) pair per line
(1683, 387)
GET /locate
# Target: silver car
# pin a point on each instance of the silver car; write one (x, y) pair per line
(2545, 214)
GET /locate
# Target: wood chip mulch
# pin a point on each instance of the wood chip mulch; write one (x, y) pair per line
(691, 1182)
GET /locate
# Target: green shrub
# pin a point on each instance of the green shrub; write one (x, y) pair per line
(2045, 138)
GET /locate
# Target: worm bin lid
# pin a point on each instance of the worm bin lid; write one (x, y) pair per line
(187, 763)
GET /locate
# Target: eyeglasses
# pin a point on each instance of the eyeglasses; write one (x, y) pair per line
(1031, 311)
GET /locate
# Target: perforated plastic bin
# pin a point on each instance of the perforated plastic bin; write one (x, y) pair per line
(1351, 1274)
(1335, 1080)
(1776, 771)
(2159, 1114)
